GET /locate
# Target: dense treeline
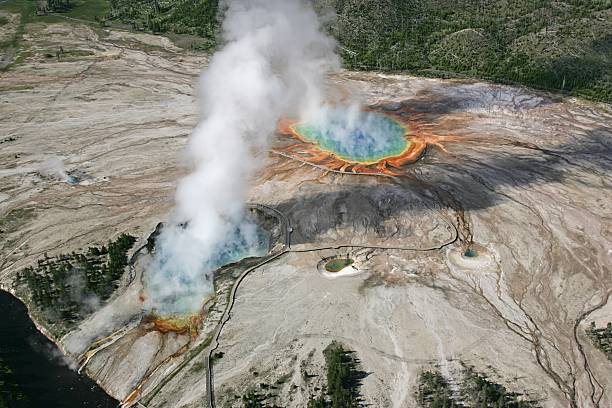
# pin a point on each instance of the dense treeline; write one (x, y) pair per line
(472, 390)
(560, 45)
(68, 287)
(434, 391)
(54, 5)
(194, 17)
(556, 45)
(343, 379)
(478, 391)
(601, 337)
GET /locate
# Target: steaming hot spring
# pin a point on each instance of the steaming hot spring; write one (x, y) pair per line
(360, 141)
(175, 288)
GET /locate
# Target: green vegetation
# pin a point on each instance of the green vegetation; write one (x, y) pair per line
(45, 11)
(337, 264)
(473, 390)
(68, 287)
(343, 382)
(434, 391)
(10, 46)
(10, 393)
(557, 45)
(27, 9)
(15, 219)
(253, 400)
(343, 379)
(10, 42)
(256, 399)
(51, 11)
(601, 338)
(192, 17)
(478, 391)
(88, 9)
(79, 9)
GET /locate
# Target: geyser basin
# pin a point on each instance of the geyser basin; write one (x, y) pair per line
(369, 141)
(360, 137)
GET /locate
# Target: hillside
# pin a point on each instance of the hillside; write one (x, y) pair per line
(561, 46)
(556, 45)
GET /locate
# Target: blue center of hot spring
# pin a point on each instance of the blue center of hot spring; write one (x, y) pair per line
(364, 137)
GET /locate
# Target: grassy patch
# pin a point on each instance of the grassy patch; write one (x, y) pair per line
(15, 219)
(13, 45)
(92, 10)
(27, 8)
(337, 264)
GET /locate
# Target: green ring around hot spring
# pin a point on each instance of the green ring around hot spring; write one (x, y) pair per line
(405, 146)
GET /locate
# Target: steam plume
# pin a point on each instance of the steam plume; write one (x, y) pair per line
(54, 167)
(352, 132)
(273, 63)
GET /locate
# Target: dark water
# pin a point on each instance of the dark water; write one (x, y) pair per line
(32, 372)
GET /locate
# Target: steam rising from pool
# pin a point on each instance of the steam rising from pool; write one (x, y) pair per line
(272, 64)
(179, 292)
(355, 135)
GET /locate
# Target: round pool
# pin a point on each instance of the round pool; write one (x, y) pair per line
(355, 136)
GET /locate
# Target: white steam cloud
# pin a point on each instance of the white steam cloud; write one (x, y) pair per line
(355, 134)
(54, 167)
(273, 64)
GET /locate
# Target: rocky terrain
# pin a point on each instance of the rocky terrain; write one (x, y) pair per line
(492, 251)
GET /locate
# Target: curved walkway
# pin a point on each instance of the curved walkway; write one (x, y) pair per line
(210, 395)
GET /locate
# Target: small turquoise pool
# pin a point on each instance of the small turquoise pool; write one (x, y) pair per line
(470, 253)
(364, 137)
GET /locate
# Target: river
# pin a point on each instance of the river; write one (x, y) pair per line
(33, 372)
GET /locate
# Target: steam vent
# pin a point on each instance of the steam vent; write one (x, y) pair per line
(366, 141)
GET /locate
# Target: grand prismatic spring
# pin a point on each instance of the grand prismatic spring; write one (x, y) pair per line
(370, 141)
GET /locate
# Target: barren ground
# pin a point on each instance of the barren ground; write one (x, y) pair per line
(526, 177)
